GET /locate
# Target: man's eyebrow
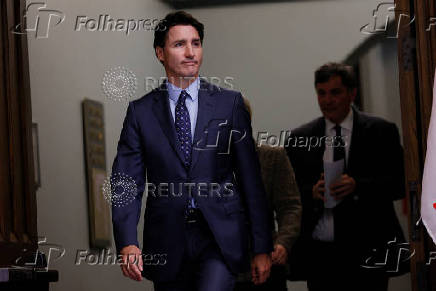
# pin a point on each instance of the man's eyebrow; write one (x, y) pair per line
(179, 40)
(183, 40)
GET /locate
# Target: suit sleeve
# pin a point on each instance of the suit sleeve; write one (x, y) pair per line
(286, 201)
(387, 175)
(305, 176)
(248, 177)
(128, 173)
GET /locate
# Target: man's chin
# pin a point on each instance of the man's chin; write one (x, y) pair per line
(330, 117)
(189, 75)
(190, 71)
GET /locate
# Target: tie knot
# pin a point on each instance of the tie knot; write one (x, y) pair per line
(338, 129)
(182, 97)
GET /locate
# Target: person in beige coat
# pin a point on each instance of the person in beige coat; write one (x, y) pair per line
(284, 208)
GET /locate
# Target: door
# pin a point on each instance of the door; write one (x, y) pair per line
(17, 191)
(417, 56)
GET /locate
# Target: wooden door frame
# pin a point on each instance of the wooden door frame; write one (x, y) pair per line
(416, 58)
(18, 217)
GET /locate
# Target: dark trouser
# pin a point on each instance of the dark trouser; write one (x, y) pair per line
(275, 282)
(203, 267)
(333, 268)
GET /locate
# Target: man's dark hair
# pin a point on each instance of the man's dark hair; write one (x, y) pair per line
(173, 19)
(326, 71)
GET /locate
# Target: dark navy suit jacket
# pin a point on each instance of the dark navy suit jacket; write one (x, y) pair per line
(148, 146)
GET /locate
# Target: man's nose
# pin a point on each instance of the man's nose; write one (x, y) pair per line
(329, 99)
(189, 52)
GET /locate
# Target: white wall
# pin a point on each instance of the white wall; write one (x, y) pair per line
(271, 50)
(381, 96)
(380, 86)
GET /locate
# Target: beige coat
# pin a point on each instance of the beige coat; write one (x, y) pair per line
(283, 194)
(284, 201)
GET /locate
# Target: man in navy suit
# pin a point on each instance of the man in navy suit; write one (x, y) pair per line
(206, 203)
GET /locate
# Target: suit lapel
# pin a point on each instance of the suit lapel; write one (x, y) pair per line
(355, 140)
(161, 109)
(320, 133)
(206, 105)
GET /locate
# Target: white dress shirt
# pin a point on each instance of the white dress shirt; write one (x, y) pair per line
(324, 230)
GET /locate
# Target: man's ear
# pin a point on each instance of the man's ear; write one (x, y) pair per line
(159, 54)
(353, 94)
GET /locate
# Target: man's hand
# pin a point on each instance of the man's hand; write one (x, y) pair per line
(260, 268)
(318, 189)
(279, 255)
(345, 186)
(132, 262)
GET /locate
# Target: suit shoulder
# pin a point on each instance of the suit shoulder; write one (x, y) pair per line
(274, 154)
(150, 95)
(225, 93)
(147, 98)
(274, 158)
(227, 97)
(307, 128)
(272, 150)
(372, 121)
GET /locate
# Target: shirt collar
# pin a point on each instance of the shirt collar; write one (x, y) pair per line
(347, 123)
(192, 90)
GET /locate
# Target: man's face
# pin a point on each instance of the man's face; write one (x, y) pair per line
(335, 99)
(183, 53)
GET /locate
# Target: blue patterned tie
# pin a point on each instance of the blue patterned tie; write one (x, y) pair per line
(183, 129)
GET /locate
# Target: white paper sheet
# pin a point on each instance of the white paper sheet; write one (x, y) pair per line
(332, 173)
